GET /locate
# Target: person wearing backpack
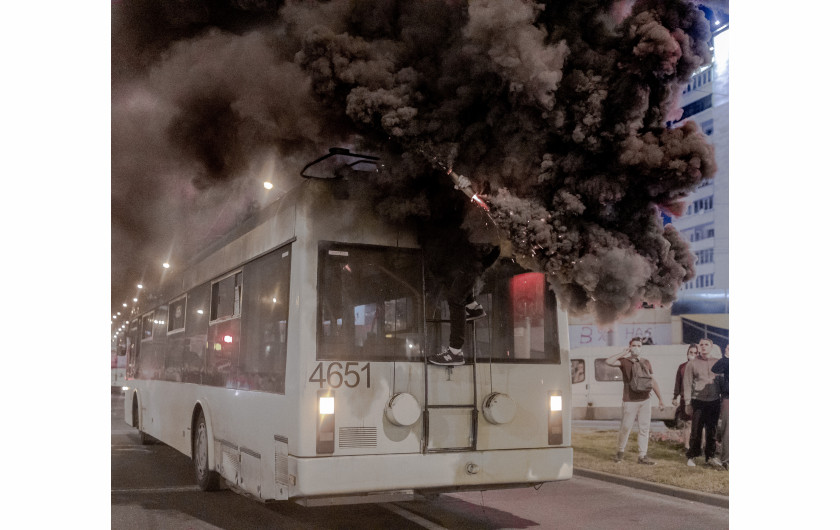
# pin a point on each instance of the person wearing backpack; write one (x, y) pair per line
(701, 392)
(637, 374)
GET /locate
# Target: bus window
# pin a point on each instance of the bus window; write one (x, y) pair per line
(177, 315)
(195, 331)
(369, 303)
(605, 372)
(578, 371)
(522, 318)
(262, 357)
(131, 339)
(226, 297)
(148, 325)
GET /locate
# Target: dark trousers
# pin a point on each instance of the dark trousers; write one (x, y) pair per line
(704, 415)
(458, 296)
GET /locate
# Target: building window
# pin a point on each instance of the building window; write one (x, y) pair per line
(701, 205)
(705, 280)
(706, 256)
(699, 233)
(698, 106)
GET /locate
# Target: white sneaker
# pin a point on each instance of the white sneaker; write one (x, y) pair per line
(690, 462)
(714, 462)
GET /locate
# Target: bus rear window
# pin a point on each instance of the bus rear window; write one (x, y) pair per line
(521, 325)
(369, 303)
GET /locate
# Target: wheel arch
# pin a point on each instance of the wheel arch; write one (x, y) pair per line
(136, 405)
(201, 406)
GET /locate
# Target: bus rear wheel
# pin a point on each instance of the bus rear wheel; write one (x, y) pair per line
(207, 479)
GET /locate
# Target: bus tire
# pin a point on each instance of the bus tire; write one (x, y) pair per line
(207, 479)
(145, 439)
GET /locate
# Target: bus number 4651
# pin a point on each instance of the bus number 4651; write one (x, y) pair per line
(340, 374)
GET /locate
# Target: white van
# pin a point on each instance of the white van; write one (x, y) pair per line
(597, 388)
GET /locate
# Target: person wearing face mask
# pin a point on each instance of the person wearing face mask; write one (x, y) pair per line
(678, 400)
(635, 405)
(702, 396)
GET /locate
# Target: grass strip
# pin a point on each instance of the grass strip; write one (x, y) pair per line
(594, 449)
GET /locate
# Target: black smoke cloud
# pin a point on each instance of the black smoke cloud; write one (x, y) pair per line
(556, 112)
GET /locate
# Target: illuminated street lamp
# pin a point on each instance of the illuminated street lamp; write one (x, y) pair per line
(139, 285)
(166, 265)
(268, 185)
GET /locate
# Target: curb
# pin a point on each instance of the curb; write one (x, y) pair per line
(691, 495)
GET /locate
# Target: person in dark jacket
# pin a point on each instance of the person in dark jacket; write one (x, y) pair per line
(722, 367)
(678, 400)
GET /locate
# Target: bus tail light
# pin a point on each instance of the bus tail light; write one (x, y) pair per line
(325, 441)
(555, 419)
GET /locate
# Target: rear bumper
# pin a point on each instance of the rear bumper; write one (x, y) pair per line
(436, 471)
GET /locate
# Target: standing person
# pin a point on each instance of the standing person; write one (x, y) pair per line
(702, 396)
(678, 400)
(456, 272)
(635, 404)
(721, 367)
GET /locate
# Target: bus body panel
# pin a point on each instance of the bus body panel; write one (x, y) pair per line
(266, 443)
(336, 476)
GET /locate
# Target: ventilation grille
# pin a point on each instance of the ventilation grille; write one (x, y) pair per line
(357, 437)
(281, 461)
(230, 463)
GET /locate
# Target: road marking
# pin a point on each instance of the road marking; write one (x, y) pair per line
(130, 448)
(171, 489)
(411, 516)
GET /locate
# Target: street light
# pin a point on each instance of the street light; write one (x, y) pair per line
(166, 265)
(139, 285)
(268, 185)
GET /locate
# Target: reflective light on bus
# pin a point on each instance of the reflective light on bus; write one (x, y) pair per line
(555, 418)
(325, 439)
(326, 405)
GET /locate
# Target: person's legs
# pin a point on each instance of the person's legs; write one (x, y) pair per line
(724, 426)
(710, 419)
(644, 427)
(696, 429)
(629, 411)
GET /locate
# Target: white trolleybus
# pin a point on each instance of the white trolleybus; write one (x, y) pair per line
(289, 361)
